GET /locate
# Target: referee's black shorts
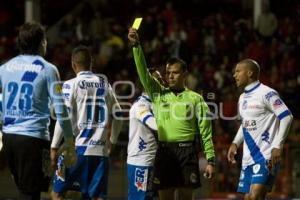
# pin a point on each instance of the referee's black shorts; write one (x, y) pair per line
(28, 159)
(176, 165)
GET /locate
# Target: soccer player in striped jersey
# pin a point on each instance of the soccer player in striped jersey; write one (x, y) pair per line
(29, 83)
(142, 146)
(264, 127)
(92, 106)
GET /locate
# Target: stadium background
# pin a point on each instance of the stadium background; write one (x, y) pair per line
(210, 35)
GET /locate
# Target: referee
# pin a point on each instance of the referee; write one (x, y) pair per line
(181, 115)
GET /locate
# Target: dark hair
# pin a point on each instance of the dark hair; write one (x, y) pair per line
(174, 60)
(31, 35)
(81, 55)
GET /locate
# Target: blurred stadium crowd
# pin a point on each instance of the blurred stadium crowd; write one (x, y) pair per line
(211, 36)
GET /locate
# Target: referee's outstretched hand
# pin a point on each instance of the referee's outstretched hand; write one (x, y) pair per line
(133, 37)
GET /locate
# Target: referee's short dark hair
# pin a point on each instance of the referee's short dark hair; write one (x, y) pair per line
(30, 37)
(174, 60)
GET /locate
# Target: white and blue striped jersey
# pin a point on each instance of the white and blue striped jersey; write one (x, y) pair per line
(29, 85)
(91, 102)
(142, 144)
(261, 110)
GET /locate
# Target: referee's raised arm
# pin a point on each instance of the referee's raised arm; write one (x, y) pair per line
(150, 84)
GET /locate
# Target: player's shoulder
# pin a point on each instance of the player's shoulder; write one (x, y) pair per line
(267, 92)
(142, 101)
(68, 84)
(49, 67)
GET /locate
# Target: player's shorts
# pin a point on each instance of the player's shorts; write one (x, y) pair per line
(89, 176)
(176, 165)
(259, 173)
(140, 182)
(29, 160)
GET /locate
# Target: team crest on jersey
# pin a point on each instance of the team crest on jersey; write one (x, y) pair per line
(256, 168)
(140, 179)
(277, 103)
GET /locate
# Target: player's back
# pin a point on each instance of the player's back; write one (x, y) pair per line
(26, 86)
(94, 101)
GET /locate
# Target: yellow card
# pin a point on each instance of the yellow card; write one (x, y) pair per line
(137, 22)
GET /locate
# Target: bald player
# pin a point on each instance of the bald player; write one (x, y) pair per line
(265, 122)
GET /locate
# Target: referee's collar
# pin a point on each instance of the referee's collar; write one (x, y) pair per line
(252, 86)
(84, 73)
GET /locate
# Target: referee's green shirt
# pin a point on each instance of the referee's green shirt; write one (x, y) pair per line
(179, 117)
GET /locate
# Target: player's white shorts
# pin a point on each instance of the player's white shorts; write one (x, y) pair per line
(89, 176)
(140, 182)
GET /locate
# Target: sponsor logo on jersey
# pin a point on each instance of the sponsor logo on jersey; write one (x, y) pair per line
(97, 142)
(142, 144)
(140, 179)
(91, 84)
(265, 137)
(277, 103)
(250, 125)
(12, 67)
(253, 106)
(270, 94)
